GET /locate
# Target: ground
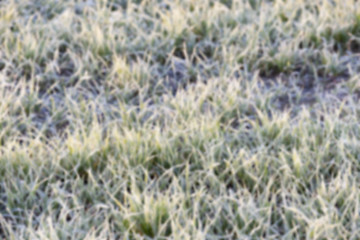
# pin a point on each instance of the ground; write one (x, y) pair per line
(184, 119)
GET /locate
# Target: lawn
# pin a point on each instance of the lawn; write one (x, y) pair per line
(179, 119)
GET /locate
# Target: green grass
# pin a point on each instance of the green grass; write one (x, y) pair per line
(159, 119)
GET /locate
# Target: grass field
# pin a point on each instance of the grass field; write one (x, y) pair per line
(179, 119)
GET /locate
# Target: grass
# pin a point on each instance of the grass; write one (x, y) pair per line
(156, 119)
